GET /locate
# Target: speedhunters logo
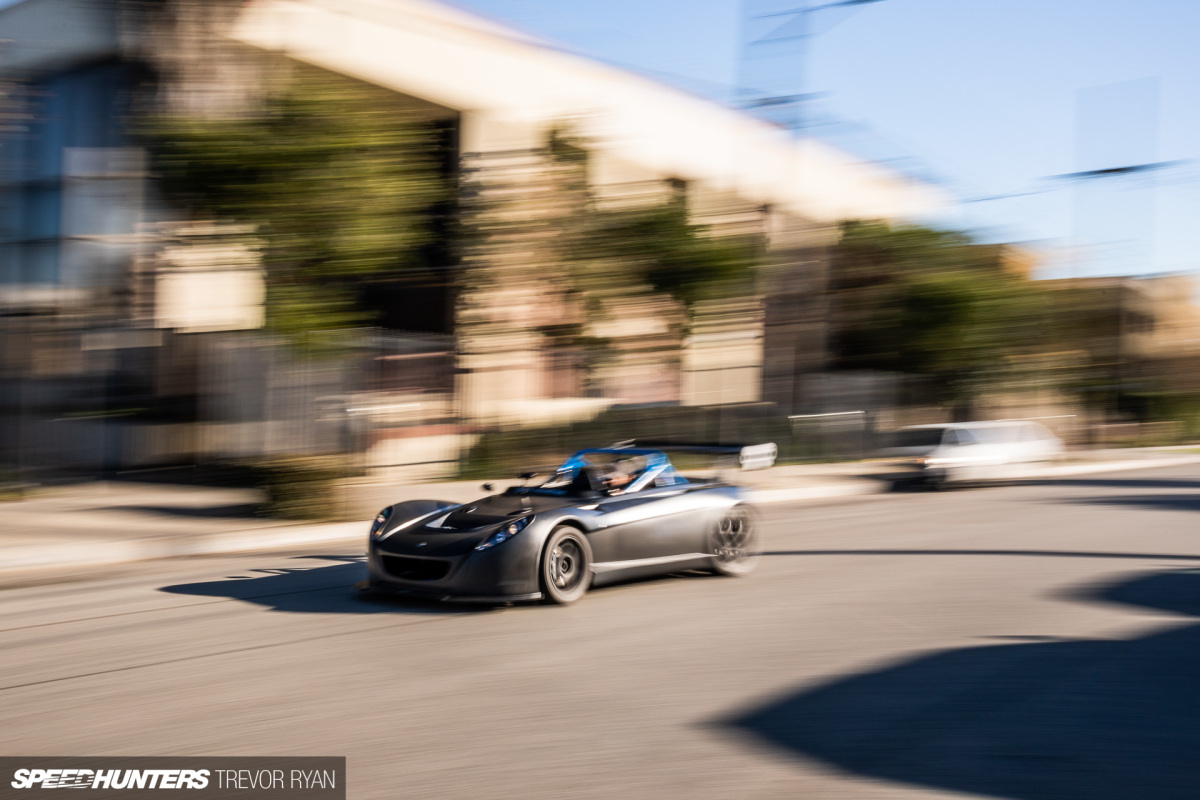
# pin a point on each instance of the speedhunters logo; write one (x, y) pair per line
(111, 779)
(249, 778)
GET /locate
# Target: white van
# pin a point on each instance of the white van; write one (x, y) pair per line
(970, 451)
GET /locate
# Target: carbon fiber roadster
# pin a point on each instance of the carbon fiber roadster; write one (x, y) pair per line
(607, 514)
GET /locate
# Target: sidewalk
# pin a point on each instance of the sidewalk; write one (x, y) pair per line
(105, 523)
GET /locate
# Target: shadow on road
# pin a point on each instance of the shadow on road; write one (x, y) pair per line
(1036, 720)
(915, 483)
(330, 589)
(1162, 502)
(904, 482)
(312, 589)
(226, 511)
(1176, 591)
(1117, 483)
(1020, 553)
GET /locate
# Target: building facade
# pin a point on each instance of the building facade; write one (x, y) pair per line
(84, 235)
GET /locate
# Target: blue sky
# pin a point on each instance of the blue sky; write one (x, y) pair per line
(985, 95)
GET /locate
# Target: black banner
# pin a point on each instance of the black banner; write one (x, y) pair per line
(202, 778)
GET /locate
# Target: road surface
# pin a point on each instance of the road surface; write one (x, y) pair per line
(1029, 641)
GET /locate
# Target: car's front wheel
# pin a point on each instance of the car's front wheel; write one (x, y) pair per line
(734, 543)
(566, 565)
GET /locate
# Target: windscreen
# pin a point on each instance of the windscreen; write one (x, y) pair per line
(614, 468)
(918, 437)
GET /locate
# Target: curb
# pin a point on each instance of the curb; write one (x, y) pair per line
(867, 485)
(32, 557)
(26, 558)
(805, 494)
(1112, 466)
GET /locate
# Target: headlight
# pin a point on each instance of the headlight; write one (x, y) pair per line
(509, 530)
(380, 520)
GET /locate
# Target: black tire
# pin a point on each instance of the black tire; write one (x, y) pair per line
(935, 481)
(566, 568)
(733, 543)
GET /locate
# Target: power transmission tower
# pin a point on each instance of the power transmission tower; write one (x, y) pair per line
(773, 74)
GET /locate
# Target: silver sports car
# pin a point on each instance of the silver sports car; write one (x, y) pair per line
(607, 514)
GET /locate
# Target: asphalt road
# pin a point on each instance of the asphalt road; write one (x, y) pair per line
(1035, 641)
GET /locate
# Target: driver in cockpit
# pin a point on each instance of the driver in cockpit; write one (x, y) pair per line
(622, 473)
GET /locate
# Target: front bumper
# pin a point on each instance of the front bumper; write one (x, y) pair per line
(449, 568)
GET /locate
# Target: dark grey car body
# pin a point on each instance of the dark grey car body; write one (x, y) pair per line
(429, 548)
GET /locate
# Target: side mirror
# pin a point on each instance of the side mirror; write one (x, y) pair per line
(487, 487)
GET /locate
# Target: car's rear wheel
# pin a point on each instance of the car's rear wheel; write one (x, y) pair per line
(734, 543)
(566, 565)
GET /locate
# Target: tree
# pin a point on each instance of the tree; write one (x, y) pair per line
(932, 304)
(655, 246)
(340, 181)
(543, 255)
(663, 249)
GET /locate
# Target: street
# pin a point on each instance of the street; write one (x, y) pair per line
(1025, 641)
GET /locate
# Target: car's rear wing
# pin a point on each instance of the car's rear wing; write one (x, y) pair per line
(749, 456)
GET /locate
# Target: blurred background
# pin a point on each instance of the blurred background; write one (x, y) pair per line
(303, 245)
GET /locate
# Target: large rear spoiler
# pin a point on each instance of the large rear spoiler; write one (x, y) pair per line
(750, 456)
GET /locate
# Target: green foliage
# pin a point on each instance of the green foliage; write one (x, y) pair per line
(293, 487)
(662, 248)
(506, 453)
(1178, 407)
(302, 487)
(930, 303)
(338, 180)
(654, 246)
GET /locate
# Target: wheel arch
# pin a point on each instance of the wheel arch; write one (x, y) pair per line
(544, 534)
(572, 522)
